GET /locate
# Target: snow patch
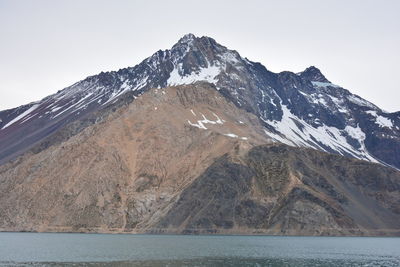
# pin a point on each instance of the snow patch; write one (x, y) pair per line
(319, 100)
(21, 116)
(231, 135)
(324, 84)
(208, 74)
(380, 120)
(140, 84)
(236, 136)
(296, 132)
(355, 132)
(77, 105)
(200, 123)
(219, 121)
(339, 104)
(54, 109)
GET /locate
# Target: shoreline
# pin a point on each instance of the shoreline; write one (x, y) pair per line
(384, 234)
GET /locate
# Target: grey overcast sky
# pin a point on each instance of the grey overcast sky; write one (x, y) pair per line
(46, 45)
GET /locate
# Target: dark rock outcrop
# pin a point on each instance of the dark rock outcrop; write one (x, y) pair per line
(277, 189)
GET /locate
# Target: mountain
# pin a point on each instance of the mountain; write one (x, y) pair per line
(299, 109)
(187, 160)
(197, 139)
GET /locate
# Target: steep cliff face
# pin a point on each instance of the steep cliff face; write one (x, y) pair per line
(184, 159)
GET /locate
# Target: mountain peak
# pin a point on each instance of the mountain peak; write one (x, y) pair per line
(200, 59)
(312, 73)
(190, 40)
(187, 38)
(185, 44)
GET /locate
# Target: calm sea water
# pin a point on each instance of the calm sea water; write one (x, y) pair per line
(47, 249)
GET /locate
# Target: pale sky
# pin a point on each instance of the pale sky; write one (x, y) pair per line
(47, 45)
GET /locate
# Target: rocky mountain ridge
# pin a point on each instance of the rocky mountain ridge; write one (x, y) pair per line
(299, 109)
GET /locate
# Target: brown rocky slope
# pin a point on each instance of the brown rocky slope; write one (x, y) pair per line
(185, 160)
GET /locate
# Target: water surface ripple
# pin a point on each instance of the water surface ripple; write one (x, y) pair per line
(52, 249)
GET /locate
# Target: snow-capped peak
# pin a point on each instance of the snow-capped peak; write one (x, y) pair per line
(303, 109)
(187, 38)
